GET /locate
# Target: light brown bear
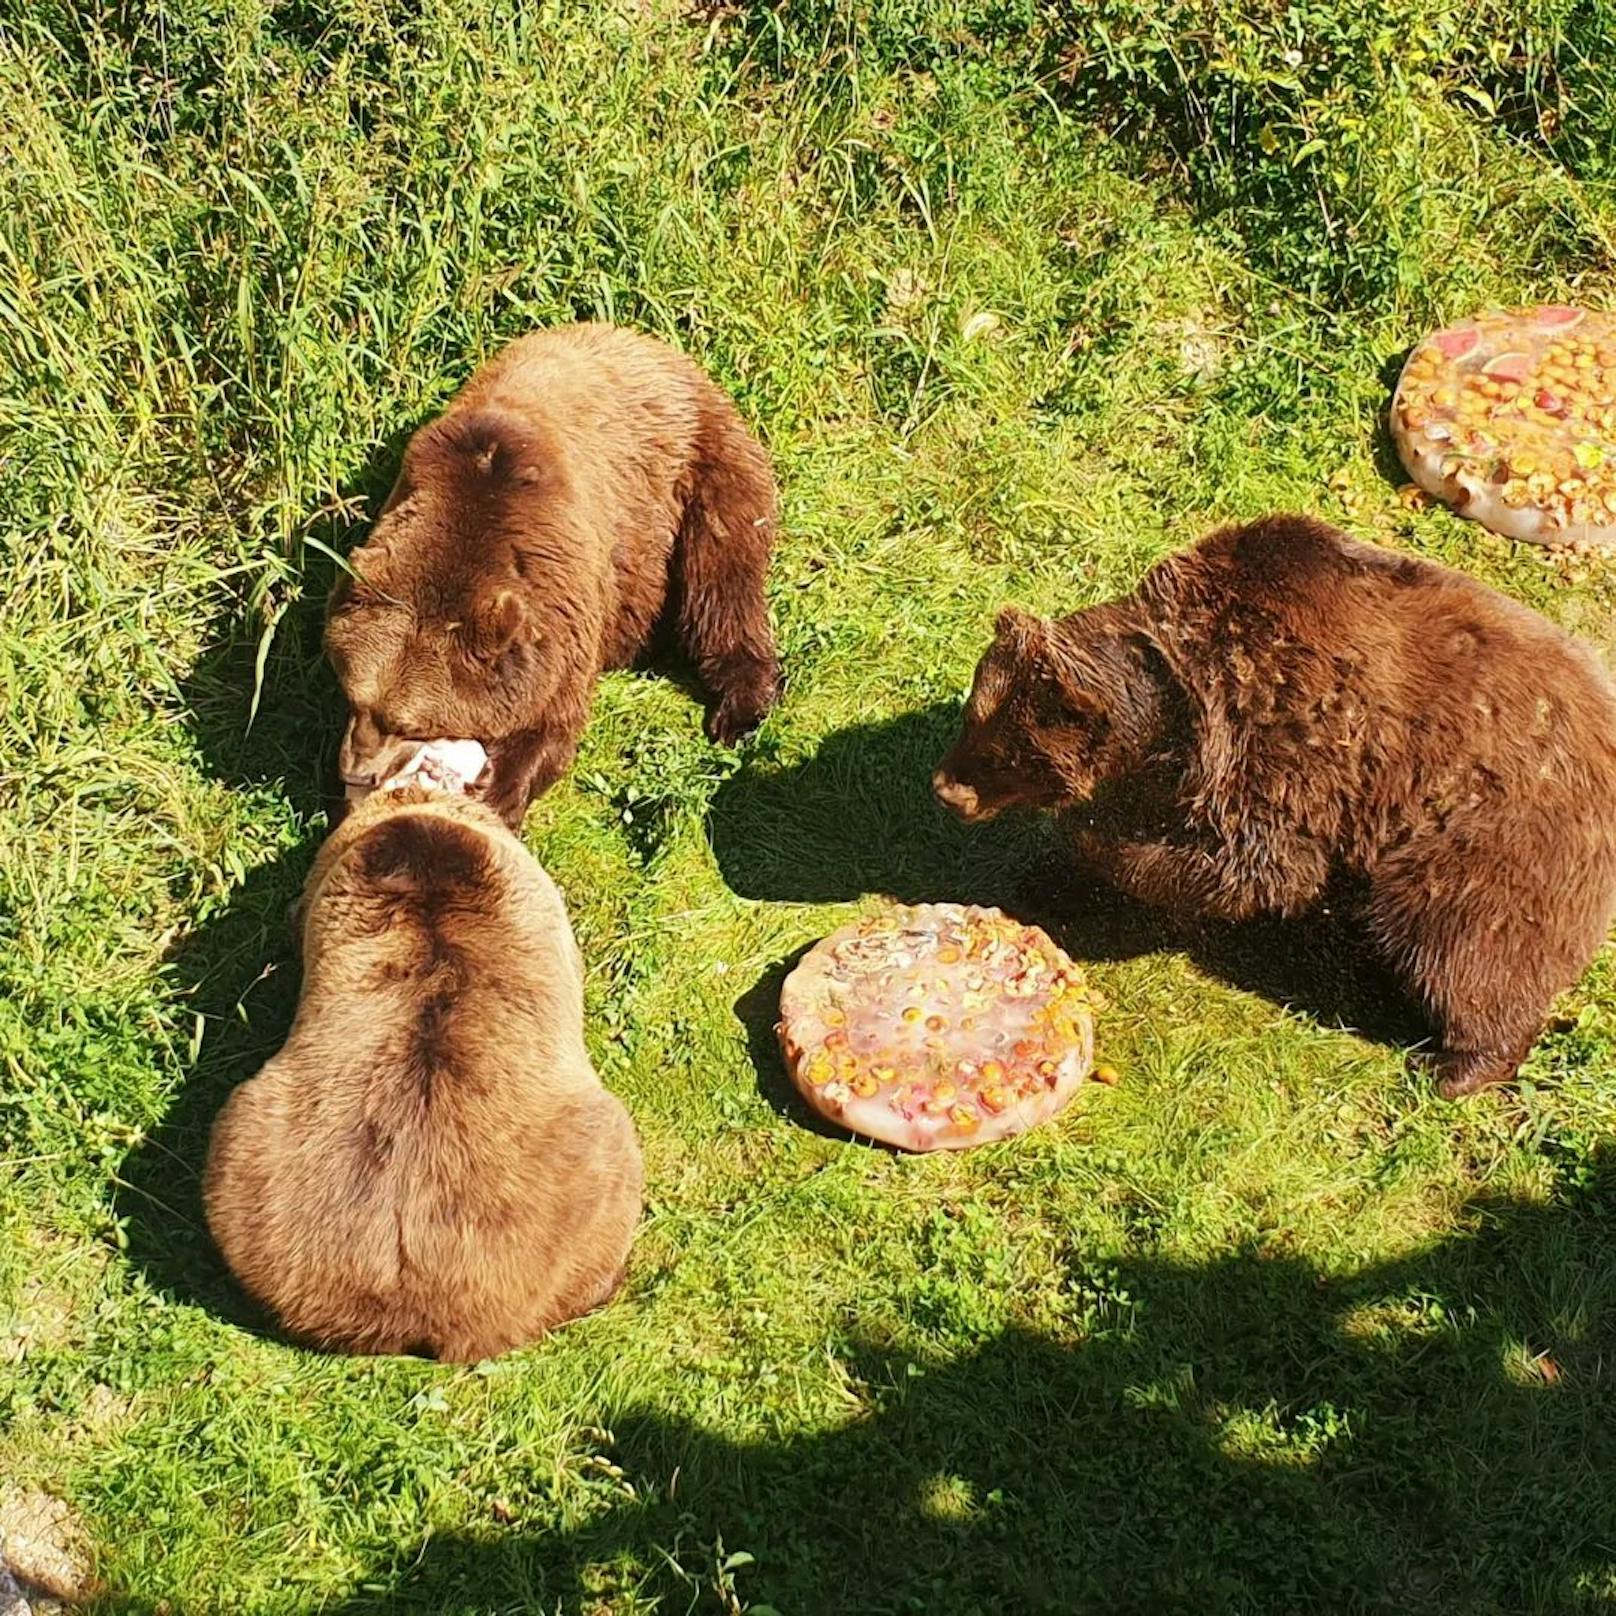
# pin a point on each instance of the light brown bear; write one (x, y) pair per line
(1279, 706)
(430, 1164)
(585, 485)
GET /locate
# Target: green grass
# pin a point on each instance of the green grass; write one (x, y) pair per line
(1021, 297)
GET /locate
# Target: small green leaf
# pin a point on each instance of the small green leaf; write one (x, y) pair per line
(260, 662)
(326, 550)
(1590, 455)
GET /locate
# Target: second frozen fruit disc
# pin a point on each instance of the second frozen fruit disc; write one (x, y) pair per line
(937, 1026)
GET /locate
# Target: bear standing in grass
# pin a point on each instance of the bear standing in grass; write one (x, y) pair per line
(585, 484)
(430, 1164)
(1280, 705)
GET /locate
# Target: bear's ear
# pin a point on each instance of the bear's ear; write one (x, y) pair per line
(1022, 629)
(500, 622)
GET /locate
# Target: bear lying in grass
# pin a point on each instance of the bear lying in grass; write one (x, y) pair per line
(586, 483)
(1280, 705)
(430, 1163)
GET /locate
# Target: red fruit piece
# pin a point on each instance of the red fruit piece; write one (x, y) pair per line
(1557, 316)
(1509, 367)
(1551, 402)
(1457, 341)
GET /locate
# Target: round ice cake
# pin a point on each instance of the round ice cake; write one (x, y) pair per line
(937, 1026)
(1510, 418)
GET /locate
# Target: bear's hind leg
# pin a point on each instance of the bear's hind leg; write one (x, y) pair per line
(1480, 951)
(722, 561)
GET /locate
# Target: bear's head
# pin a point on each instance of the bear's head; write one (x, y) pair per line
(433, 632)
(412, 670)
(1055, 710)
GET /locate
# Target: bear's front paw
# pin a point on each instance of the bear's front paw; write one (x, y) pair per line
(1462, 1072)
(1093, 851)
(743, 703)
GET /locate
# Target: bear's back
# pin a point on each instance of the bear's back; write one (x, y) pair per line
(430, 1162)
(1370, 690)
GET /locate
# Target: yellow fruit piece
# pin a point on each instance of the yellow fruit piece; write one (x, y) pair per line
(963, 1118)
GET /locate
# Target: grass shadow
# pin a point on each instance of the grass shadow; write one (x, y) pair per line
(1382, 445)
(289, 745)
(290, 741)
(758, 1011)
(1431, 1435)
(1321, 965)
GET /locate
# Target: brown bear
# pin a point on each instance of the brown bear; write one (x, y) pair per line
(430, 1163)
(584, 485)
(1281, 705)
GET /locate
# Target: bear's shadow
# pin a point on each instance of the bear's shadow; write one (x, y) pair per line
(858, 817)
(237, 977)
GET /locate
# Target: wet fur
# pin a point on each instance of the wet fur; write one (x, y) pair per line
(587, 483)
(1281, 706)
(430, 1163)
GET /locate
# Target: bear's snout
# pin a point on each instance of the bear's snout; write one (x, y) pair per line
(357, 760)
(370, 754)
(955, 795)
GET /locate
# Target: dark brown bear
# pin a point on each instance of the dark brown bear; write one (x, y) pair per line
(1281, 705)
(585, 483)
(430, 1164)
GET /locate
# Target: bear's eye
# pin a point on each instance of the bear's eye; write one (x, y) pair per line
(1049, 704)
(349, 600)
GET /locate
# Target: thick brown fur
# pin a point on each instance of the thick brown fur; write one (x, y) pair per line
(1280, 705)
(586, 483)
(430, 1164)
